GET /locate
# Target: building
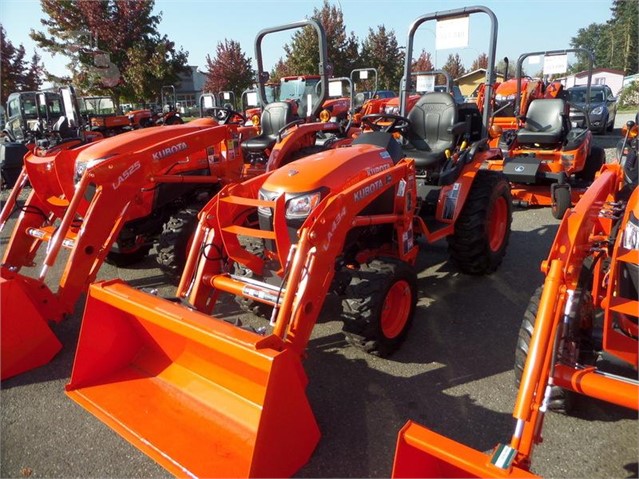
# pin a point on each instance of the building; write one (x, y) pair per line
(469, 82)
(189, 88)
(600, 76)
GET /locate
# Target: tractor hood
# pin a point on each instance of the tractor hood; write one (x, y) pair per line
(333, 169)
(142, 139)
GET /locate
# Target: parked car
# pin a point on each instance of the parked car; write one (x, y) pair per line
(602, 107)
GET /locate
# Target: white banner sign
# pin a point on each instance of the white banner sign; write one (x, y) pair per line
(555, 64)
(363, 75)
(335, 88)
(251, 98)
(425, 83)
(452, 33)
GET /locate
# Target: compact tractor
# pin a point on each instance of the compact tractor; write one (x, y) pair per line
(579, 334)
(549, 162)
(114, 200)
(46, 119)
(205, 396)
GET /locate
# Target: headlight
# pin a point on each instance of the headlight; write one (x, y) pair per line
(302, 205)
(631, 234)
(82, 166)
(598, 110)
(391, 110)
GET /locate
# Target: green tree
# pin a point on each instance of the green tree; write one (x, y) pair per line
(230, 70)
(303, 52)
(381, 51)
(614, 43)
(454, 66)
(113, 46)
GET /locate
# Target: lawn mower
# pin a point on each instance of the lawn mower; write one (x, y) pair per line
(579, 333)
(549, 162)
(205, 396)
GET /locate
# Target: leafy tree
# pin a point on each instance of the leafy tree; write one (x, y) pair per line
(113, 46)
(614, 43)
(17, 74)
(480, 62)
(229, 70)
(423, 62)
(303, 52)
(281, 69)
(454, 66)
(381, 51)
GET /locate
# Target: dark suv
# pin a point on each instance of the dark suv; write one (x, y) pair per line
(602, 107)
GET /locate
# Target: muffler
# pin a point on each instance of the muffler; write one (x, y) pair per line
(200, 396)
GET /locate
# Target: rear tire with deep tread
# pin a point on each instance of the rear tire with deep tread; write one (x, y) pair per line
(482, 230)
(375, 289)
(174, 242)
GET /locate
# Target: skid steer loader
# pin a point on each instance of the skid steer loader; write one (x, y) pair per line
(207, 397)
(581, 321)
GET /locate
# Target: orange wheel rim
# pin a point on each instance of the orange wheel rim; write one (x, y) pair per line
(396, 309)
(497, 221)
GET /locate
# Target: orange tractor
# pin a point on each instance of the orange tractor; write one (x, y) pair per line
(581, 321)
(106, 200)
(549, 162)
(205, 396)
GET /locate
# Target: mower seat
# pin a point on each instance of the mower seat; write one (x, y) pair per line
(430, 133)
(545, 123)
(275, 116)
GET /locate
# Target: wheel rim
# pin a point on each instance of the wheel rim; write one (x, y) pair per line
(396, 309)
(497, 222)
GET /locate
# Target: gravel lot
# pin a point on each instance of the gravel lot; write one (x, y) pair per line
(453, 375)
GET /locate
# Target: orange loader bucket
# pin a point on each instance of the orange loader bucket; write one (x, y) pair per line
(421, 452)
(200, 396)
(26, 341)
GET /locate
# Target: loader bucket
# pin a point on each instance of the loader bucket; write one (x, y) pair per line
(26, 340)
(421, 452)
(200, 396)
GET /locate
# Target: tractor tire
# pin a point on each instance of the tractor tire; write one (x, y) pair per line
(249, 305)
(561, 202)
(379, 306)
(561, 400)
(175, 241)
(594, 162)
(482, 230)
(128, 258)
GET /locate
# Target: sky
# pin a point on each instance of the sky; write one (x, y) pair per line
(524, 26)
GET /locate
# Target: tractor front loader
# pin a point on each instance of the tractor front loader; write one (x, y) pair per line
(206, 395)
(583, 319)
(102, 201)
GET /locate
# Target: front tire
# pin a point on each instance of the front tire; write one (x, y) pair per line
(379, 306)
(175, 241)
(561, 202)
(482, 230)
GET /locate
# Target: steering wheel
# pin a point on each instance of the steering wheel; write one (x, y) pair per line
(397, 123)
(227, 115)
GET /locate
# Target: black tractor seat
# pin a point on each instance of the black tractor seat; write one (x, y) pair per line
(431, 130)
(546, 123)
(275, 116)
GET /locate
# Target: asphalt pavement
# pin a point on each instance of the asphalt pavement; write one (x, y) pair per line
(454, 374)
